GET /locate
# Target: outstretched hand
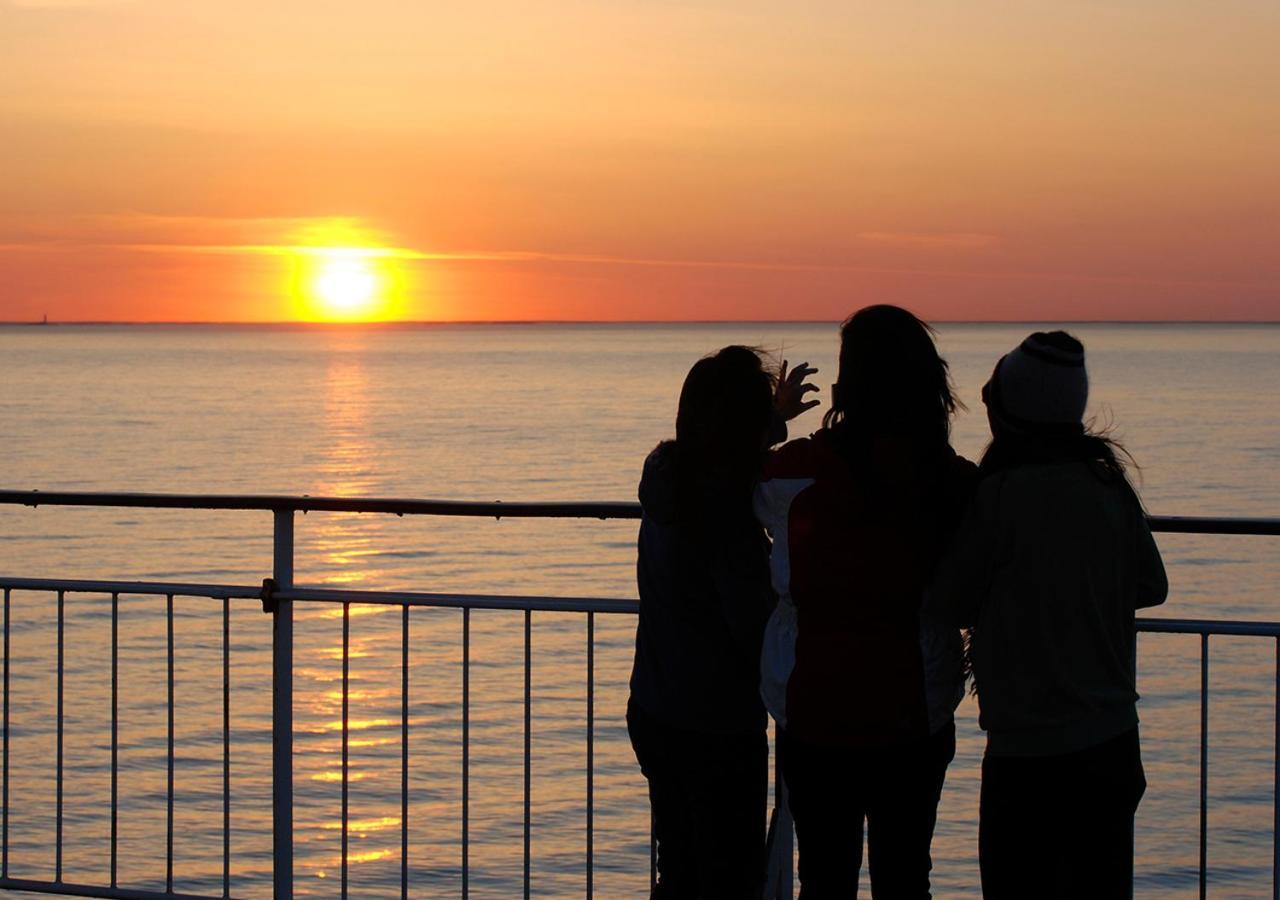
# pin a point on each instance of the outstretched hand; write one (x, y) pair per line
(788, 399)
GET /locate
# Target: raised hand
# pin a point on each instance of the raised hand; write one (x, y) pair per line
(788, 399)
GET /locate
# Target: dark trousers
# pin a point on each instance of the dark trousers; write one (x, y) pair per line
(709, 795)
(895, 789)
(1061, 826)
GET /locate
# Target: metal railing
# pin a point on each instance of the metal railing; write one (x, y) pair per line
(279, 593)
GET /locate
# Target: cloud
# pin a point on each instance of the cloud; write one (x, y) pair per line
(960, 240)
(302, 236)
(67, 4)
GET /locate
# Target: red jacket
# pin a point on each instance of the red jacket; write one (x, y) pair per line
(847, 660)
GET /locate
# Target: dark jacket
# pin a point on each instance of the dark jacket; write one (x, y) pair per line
(848, 661)
(703, 575)
(1050, 565)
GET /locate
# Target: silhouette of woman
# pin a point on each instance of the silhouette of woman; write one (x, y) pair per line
(863, 692)
(1054, 557)
(695, 717)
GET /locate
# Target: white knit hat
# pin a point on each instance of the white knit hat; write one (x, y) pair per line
(1041, 386)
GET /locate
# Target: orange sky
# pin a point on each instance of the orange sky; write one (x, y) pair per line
(643, 160)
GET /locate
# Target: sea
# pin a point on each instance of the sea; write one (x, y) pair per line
(518, 412)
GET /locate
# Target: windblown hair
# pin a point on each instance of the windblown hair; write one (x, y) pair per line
(722, 423)
(891, 380)
(1009, 450)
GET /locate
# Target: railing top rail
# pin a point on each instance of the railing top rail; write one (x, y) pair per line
(495, 509)
(133, 588)
(273, 502)
(1156, 625)
(1215, 525)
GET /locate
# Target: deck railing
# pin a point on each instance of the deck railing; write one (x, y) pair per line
(279, 594)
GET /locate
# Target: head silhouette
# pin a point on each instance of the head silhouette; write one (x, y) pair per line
(722, 424)
(1039, 388)
(891, 379)
(1036, 400)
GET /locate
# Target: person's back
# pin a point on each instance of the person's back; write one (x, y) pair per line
(856, 543)
(704, 600)
(1052, 560)
(694, 716)
(862, 689)
(1053, 642)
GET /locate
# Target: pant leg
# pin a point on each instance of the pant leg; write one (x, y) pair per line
(1107, 784)
(673, 822)
(1061, 826)
(904, 785)
(828, 814)
(1018, 845)
(727, 781)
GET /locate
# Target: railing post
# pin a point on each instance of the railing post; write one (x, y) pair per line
(282, 711)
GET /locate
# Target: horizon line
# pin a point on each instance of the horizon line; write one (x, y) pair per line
(277, 323)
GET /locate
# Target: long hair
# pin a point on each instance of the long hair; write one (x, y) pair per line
(721, 427)
(890, 380)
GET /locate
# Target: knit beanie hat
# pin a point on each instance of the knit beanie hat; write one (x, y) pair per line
(1041, 387)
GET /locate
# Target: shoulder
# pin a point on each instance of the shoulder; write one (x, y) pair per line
(959, 474)
(806, 457)
(787, 471)
(1056, 490)
(794, 459)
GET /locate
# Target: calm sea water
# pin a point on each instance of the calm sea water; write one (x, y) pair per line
(516, 412)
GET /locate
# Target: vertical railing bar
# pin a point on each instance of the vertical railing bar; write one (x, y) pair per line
(168, 876)
(591, 751)
(466, 749)
(404, 754)
(115, 733)
(226, 747)
(346, 672)
(1204, 761)
(282, 709)
(528, 683)
(57, 877)
(1275, 790)
(4, 827)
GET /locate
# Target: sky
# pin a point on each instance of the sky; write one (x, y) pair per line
(177, 160)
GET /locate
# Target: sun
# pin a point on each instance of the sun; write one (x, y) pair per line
(344, 284)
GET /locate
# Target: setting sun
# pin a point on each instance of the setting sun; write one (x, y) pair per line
(333, 282)
(346, 285)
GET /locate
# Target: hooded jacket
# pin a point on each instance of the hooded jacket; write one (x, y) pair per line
(703, 577)
(847, 660)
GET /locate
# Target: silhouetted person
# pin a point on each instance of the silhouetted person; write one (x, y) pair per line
(695, 717)
(862, 691)
(1054, 557)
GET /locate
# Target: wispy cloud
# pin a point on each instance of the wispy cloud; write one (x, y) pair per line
(327, 236)
(960, 240)
(65, 4)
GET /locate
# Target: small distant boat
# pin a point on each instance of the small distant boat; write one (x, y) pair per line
(45, 320)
